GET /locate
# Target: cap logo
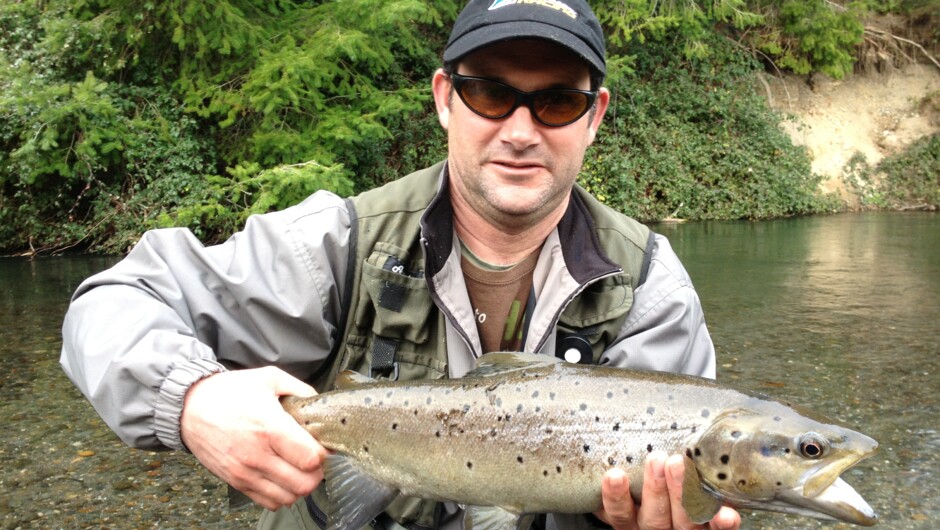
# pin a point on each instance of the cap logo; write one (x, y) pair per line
(553, 4)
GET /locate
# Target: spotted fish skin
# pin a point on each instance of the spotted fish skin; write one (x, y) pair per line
(532, 435)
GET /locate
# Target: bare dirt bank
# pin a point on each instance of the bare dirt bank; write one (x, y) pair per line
(875, 114)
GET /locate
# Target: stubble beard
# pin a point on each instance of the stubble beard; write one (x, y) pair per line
(514, 208)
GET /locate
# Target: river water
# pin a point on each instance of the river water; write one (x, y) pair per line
(837, 313)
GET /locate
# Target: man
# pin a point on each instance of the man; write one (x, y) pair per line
(185, 347)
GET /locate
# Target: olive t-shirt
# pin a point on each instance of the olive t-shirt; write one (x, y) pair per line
(498, 295)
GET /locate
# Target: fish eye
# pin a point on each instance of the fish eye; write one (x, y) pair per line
(813, 446)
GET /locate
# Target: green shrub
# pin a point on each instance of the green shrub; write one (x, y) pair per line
(907, 180)
(912, 178)
(248, 189)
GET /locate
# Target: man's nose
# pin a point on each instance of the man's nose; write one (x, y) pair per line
(521, 128)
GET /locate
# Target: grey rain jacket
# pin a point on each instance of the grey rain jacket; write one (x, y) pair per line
(138, 335)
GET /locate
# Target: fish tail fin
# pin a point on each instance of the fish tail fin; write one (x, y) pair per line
(495, 518)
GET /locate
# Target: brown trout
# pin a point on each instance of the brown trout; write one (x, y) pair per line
(530, 434)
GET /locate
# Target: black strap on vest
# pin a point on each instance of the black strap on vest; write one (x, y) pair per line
(529, 310)
(319, 518)
(392, 297)
(383, 358)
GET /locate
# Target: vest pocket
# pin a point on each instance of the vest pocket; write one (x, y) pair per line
(401, 305)
(397, 329)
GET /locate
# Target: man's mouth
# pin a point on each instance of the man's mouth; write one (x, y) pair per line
(517, 166)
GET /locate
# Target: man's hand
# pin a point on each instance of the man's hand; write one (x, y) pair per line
(234, 425)
(661, 508)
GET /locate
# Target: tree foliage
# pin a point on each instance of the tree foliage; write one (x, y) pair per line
(117, 116)
(807, 36)
(108, 105)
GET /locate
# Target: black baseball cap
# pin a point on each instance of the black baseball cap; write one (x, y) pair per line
(569, 23)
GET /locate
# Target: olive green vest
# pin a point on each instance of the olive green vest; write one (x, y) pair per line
(393, 328)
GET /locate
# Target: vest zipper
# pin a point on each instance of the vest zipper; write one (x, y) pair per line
(574, 294)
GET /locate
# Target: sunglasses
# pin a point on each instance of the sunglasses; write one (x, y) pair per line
(553, 107)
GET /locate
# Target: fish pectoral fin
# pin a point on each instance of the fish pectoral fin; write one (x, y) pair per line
(698, 502)
(524, 522)
(353, 497)
(502, 362)
(349, 379)
(494, 518)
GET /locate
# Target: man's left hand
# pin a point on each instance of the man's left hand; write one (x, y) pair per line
(661, 508)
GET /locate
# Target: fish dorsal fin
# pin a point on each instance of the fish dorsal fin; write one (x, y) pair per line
(495, 518)
(353, 497)
(348, 379)
(698, 502)
(501, 362)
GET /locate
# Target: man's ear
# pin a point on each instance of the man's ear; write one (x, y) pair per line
(600, 108)
(441, 86)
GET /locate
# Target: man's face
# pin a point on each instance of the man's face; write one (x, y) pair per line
(516, 171)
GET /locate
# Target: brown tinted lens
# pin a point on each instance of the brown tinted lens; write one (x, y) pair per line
(487, 98)
(558, 107)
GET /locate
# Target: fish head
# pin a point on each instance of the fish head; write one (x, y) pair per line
(778, 459)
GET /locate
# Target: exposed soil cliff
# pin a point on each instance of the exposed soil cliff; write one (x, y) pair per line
(892, 100)
(872, 113)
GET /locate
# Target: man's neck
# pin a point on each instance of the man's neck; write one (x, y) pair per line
(499, 244)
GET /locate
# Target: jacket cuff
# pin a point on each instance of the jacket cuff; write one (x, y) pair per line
(169, 405)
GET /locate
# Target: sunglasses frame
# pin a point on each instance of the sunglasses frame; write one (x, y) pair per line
(522, 98)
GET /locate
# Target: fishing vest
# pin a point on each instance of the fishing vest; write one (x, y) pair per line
(392, 327)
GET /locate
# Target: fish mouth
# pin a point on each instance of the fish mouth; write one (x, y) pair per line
(842, 502)
(838, 502)
(826, 496)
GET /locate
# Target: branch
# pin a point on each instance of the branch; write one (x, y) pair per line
(906, 41)
(88, 231)
(783, 80)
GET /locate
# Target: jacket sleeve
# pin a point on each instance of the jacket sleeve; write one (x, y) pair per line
(665, 328)
(138, 335)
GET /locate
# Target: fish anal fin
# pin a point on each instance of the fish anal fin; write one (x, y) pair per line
(495, 518)
(699, 503)
(354, 498)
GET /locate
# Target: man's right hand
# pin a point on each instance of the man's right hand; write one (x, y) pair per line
(662, 500)
(235, 426)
